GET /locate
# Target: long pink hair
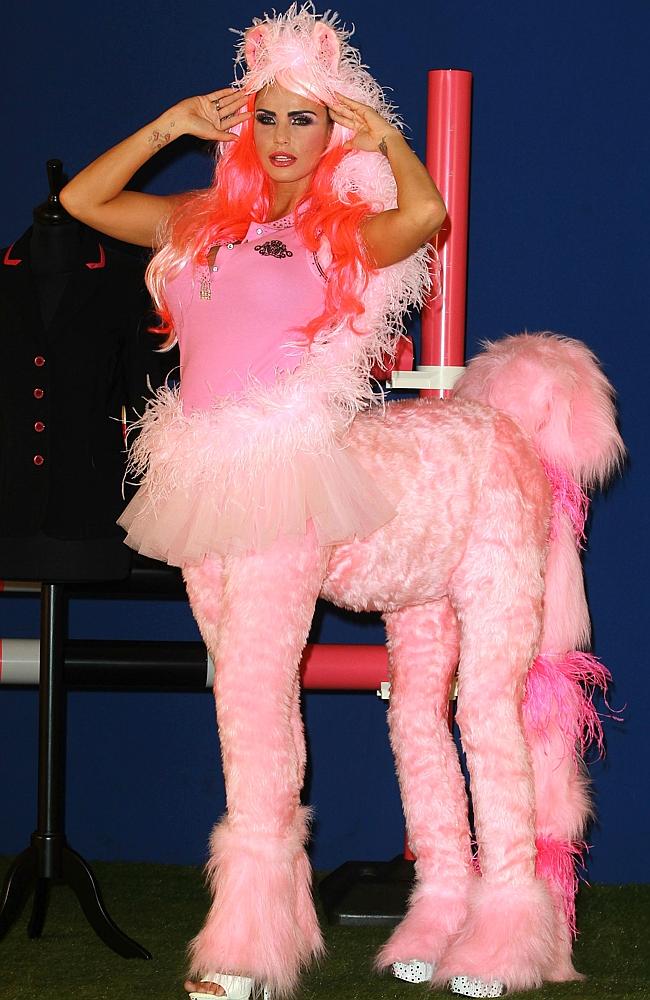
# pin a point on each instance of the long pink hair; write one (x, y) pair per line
(241, 193)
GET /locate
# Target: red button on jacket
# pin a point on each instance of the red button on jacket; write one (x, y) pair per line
(39, 393)
(39, 426)
(39, 361)
(38, 459)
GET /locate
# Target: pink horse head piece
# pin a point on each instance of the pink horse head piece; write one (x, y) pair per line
(308, 54)
(307, 44)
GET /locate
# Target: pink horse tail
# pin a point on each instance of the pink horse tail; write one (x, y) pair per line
(555, 390)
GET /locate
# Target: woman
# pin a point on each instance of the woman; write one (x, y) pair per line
(283, 283)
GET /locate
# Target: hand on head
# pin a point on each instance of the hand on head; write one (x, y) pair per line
(211, 116)
(369, 128)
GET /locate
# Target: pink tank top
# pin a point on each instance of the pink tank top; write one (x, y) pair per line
(262, 291)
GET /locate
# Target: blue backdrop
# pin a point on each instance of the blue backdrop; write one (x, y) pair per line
(557, 241)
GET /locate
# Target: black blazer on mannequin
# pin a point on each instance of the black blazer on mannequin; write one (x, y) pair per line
(62, 389)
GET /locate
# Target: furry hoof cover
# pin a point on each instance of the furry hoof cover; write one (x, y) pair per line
(413, 972)
(467, 986)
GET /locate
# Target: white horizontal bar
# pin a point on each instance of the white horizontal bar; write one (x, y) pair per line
(427, 377)
(19, 661)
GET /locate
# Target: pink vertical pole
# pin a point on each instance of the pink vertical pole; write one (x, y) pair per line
(447, 159)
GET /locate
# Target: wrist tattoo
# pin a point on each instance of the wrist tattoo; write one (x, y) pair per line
(158, 139)
(383, 148)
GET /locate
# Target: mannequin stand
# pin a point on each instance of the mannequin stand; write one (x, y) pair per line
(49, 859)
(368, 893)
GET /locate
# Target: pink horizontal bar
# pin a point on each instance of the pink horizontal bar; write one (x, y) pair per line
(344, 667)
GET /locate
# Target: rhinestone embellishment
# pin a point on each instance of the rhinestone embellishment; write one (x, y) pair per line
(274, 248)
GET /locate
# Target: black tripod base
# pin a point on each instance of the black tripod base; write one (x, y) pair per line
(366, 893)
(49, 860)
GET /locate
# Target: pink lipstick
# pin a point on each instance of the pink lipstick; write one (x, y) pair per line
(282, 159)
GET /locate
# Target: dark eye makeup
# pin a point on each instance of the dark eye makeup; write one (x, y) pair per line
(296, 117)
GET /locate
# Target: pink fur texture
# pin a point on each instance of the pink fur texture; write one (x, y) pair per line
(556, 863)
(486, 544)
(566, 615)
(258, 925)
(555, 390)
(560, 723)
(570, 416)
(558, 693)
(509, 935)
(262, 922)
(423, 644)
(569, 500)
(467, 574)
(465, 556)
(434, 918)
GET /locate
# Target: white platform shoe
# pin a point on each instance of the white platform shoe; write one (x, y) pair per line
(470, 986)
(465, 986)
(236, 987)
(413, 971)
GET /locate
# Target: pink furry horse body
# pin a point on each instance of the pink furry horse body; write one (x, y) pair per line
(459, 575)
(479, 571)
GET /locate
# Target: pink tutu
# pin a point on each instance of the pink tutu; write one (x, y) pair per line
(233, 479)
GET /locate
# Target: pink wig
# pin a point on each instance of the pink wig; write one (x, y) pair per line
(311, 56)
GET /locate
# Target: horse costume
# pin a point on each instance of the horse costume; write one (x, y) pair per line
(480, 570)
(439, 515)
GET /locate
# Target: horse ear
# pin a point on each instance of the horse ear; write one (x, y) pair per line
(328, 46)
(253, 41)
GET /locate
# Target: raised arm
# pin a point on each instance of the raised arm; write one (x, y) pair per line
(393, 235)
(96, 195)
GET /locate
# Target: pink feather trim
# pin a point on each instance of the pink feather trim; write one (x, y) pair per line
(559, 691)
(556, 864)
(569, 499)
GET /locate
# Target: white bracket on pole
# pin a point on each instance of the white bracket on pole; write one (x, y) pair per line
(436, 377)
(209, 673)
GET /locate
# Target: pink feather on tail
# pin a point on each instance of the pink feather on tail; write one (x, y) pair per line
(569, 499)
(559, 691)
(556, 863)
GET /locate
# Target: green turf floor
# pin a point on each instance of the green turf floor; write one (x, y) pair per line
(162, 907)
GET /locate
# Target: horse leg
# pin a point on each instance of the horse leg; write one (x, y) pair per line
(262, 922)
(498, 591)
(423, 655)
